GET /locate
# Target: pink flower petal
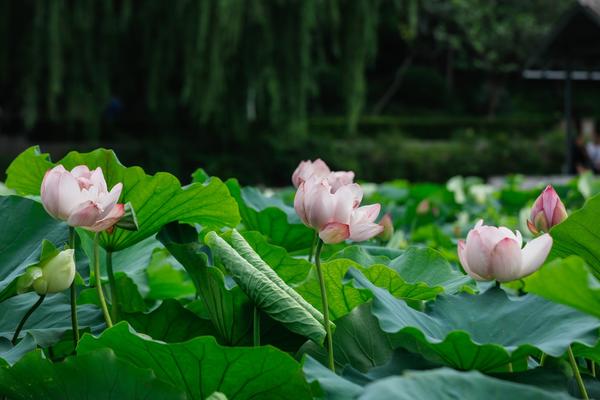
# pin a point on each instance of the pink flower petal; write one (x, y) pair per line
(299, 204)
(462, 256)
(338, 179)
(364, 231)
(49, 190)
(69, 195)
(346, 198)
(560, 214)
(307, 169)
(108, 200)
(550, 199)
(85, 215)
(491, 235)
(478, 255)
(334, 232)
(81, 171)
(535, 253)
(365, 214)
(110, 220)
(506, 260)
(97, 179)
(320, 204)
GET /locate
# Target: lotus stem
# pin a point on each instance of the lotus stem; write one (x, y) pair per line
(577, 374)
(101, 298)
(73, 290)
(325, 305)
(312, 247)
(26, 317)
(114, 310)
(256, 325)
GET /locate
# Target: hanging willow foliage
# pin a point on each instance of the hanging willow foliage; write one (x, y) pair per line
(216, 63)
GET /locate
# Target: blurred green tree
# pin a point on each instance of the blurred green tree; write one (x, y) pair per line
(231, 64)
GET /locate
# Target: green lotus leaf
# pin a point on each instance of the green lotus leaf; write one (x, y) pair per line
(201, 366)
(579, 235)
(487, 332)
(443, 383)
(220, 299)
(24, 225)
(447, 383)
(157, 199)
(266, 294)
(567, 281)
(49, 321)
(97, 375)
(271, 217)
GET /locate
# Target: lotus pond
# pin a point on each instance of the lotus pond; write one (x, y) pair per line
(214, 290)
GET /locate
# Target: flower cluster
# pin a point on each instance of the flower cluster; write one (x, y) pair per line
(79, 197)
(491, 252)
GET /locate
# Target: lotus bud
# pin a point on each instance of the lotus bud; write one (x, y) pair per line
(423, 207)
(51, 275)
(495, 253)
(388, 227)
(547, 211)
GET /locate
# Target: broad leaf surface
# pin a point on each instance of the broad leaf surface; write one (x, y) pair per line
(567, 281)
(243, 248)
(414, 265)
(482, 332)
(170, 322)
(167, 278)
(441, 383)
(23, 225)
(266, 294)
(50, 321)
(357, 341)
(202, 367)
(450, 384)
(291, 270)
(94, 375)
(579, 235)
(157, 199)
(343, 297)
(429, 266)
(10, 354)
(222, 301)
(271, 217)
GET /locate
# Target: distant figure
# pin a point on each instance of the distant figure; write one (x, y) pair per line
(581, 159)
(593, 151)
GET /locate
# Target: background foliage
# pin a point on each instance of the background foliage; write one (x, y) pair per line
(178, 85)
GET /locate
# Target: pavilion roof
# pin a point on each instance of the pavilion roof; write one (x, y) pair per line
(574, 42)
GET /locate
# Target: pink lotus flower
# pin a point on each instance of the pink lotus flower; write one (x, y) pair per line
(495, 253)
(318, 168)
(336, 215)
(81, 198)
(548, 210)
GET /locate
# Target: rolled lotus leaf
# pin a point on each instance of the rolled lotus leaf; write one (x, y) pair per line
(247, 252)
(265, 294)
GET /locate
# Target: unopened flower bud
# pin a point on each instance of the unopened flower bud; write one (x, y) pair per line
(51, 275)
